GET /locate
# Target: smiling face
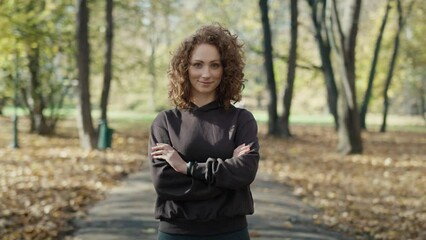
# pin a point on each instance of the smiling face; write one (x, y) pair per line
(205, 72)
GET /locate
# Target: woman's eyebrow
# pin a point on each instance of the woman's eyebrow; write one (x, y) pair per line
(199, 60)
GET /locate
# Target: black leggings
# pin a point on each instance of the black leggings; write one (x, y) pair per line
(238, 235)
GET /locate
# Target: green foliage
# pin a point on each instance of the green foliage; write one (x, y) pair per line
(147, 31)
(413, 55)
(43, 25)
(406, 76)
(37, 53)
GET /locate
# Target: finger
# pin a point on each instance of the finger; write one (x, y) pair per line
(159, 157)
(245, 148)
(158, 152)
(159, 146)
(248, 145)
(239, 147)
(242, 154)
(155, 148)
(243, 151)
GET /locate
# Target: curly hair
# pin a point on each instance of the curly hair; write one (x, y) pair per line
(232, 60)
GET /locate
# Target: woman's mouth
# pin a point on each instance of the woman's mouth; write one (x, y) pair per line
(205, 83)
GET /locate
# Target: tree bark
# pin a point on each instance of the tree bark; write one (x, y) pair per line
(36, 104)
(2, 104)
(422, 100)
(401, 22)
(325, 53)
(368, 92)
(273, 127)
(291, 73)
(153, 75)
(349, 132)
(86, 130)
(108, 61)
(152, 58)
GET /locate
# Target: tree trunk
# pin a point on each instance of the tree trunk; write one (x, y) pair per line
(349, 132)
(86, 130)
(151, 62)
(2, 104)
(367, 96)
(390, 71)
(37, 105)
(401, 22)
(273, 127)
(108, 61)
(291, 73)
(325, 54)
(422, 100)
(152, 75)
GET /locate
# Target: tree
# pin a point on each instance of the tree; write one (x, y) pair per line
(411, 92)
(422, 94)
(2, 104)
(291, 73)
(367, 96)
(349, 132)
(273, 127)
(37, 31)
(318, 16)
(86, 130)
(401, 22)
(153, 42)
(38, 121)
(27, 31)
(108, 60)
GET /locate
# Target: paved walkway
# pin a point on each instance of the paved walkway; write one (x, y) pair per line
(127, 214)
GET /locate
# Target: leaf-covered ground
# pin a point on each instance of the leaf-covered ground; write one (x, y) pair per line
(378, 195)
(49, 181)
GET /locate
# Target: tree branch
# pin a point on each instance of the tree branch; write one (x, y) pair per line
(306, 65)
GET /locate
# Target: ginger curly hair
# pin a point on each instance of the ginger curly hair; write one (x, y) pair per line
(232, 60)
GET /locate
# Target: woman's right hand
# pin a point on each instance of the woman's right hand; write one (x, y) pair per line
(241, 150)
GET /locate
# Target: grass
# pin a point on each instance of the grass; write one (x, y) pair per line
(124, 117)
(394, 122)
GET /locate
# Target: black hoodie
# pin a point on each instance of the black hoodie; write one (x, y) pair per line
(217, 197)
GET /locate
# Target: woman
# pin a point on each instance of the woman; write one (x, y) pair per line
(204, 153)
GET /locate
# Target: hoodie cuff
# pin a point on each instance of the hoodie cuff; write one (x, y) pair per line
(199, 171)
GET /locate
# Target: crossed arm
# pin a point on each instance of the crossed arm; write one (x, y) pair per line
(170, 155)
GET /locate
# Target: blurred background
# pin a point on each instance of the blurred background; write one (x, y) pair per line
(38, 55)
(81, 81)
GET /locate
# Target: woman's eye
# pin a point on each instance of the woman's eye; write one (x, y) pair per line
(197, 65)
(215, 65)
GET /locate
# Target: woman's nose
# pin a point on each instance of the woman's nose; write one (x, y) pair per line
(206, 72)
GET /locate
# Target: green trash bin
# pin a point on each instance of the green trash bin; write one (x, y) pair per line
(105, 135)
(110, 131)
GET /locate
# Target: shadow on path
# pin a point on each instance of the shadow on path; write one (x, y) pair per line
(127, 213)
(281, 215)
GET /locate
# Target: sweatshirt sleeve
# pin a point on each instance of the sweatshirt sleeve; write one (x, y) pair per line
(238, 172)
(169, 184)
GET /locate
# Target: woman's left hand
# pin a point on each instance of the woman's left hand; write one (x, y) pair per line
(166, 152)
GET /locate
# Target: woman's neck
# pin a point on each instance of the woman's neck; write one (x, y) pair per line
(202, 100)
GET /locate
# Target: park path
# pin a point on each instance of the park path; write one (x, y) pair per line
(127, 213)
